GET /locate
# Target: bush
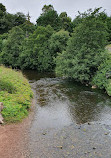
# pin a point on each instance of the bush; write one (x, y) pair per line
(102, 78)
(12, 47)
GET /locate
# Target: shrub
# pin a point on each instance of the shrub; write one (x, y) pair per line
(102, 78)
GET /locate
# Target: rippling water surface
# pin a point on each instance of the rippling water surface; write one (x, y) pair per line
(60, 102)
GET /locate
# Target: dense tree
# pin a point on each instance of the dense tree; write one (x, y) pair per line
(85, 49)
(19, 18)
(27, 26)
(12, 47)
(66, 23)
(47, 8)
(102, 16)
(58, 42)
(2, 8)
(35, 54)
(3, 38)
(8, 21)
(49, 17)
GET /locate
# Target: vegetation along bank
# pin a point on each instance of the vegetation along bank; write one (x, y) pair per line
(15, 93)
(73, 48)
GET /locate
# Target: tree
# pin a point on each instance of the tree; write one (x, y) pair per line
(85, 49)
(8, 21)
(49, 17)
(47, 8)
(19, 18)
(58, 43)
(35, 53)
(2, 8)
(12, 47)
(66, 23)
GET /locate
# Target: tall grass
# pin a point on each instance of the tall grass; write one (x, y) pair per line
(15, 93)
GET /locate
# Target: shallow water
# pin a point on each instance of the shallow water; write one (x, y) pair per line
(60, 102)
(60, 127)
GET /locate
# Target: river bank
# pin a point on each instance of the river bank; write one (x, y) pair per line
(15, 93)
(68, 120)
(14, 138)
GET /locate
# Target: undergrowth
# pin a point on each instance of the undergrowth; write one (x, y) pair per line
(15, 93)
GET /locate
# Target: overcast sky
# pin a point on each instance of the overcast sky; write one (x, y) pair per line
(70, 6)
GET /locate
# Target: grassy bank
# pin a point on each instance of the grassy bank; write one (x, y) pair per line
(15, 93)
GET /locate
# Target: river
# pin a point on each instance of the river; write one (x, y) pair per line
(70, 119)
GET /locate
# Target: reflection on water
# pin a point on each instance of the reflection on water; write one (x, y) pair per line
(60, 103)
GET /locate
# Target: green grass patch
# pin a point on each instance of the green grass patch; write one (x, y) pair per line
(15, 93)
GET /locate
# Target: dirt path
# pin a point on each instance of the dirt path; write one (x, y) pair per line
(14, 139)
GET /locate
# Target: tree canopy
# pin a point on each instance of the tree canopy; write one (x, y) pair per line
(86, 49)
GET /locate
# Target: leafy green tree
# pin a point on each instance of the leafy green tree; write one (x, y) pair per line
(85, 49)
(3, 21)
(49, 17)
(47, 8)
(27, 26)
(12, 47)
(19, 18)
(66, 23)
(103, 74)
(109, 28)
(3, 38)
(2, 8)
(35, 54)
(58, 43)
(8, 21)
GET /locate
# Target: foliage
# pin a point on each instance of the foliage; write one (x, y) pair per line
(2, 8)
(85, 49)
(8, 21)
(3, 38)
(15, 93)
(65, 22)
(49, 17)
(58, 43)
(47, 8)
(35, 54)
(102, 16)
(28, 28)
(12, 47)
(102, 78)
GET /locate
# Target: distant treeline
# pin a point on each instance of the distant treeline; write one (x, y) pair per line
(73, 48)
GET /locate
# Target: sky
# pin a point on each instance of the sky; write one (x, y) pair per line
(72, 7)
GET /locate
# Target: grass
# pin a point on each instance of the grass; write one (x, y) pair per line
(15, 93)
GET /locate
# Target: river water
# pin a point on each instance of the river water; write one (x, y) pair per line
(63, 105)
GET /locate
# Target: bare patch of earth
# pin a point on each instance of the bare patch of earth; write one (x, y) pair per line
(14, 139)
